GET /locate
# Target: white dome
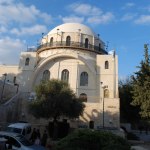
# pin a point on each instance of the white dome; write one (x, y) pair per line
(72, 27)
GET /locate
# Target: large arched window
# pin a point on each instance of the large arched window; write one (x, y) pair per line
(106, 93)
(46, 75)
(68, 41)
(83, 97)
(106, 65)
(86, 42)
(27, 61)
(84, 79)
(65, 75)
(51, 41)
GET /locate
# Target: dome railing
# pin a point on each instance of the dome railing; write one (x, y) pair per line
(71, 44)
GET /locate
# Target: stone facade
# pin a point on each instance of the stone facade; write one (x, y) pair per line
(73, 52)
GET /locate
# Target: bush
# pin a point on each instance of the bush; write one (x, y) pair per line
(85, 139)
(132, 136)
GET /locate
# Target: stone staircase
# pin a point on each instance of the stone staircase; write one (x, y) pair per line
(10, 111)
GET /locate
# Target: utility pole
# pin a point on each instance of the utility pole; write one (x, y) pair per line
(5, 74)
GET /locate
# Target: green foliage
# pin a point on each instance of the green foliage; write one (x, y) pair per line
(132, 136)
(85, 139)
(141, 86)
(128, 113)
(55, 99)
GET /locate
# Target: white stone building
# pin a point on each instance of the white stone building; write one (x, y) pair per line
(74, 53)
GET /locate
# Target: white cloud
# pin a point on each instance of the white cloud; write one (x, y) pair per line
(128, 5)
(3, 29)
(34, 30)
(72, 19)
(6, 2)
(88, 13)
(143, 19)
(128, 16)
(20, 13)
(102, 19)
(148, 8)
(85, 9)
(7, 44)
(10, 50)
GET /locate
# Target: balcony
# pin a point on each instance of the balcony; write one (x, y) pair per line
(73, 45)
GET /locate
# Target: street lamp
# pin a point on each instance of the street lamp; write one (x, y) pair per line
(17, 87)
(103, 87)
(5, 74)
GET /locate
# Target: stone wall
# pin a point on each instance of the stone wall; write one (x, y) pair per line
(9, 111)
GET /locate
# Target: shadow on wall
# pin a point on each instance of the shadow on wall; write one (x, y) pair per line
(99, 120)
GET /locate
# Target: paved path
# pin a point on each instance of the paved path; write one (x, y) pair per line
(138, 148)
(142, 146)
(145, 141)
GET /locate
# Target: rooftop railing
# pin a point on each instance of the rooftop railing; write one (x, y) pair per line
(71, 44)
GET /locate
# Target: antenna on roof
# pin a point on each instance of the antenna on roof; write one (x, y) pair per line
(38, 43)
(42, 35)
(107, 45)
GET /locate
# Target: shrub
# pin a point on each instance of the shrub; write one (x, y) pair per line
(132, 136)
(85, 139)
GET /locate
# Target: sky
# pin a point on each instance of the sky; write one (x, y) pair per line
(124, 26)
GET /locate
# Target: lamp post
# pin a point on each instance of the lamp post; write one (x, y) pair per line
(79, 34)
(5, 74)
(103, 95)
(17, 87)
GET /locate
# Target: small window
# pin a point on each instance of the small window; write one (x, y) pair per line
(84, 79)
(83, 97)
(68, 41)
(86, 42)
(27, 62)
(51, 41)
(106, 65)
(46, 75)
(65, 75)
(106, 93)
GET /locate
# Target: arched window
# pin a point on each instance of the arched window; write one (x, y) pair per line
(106, 65)
(51, 41)
(84, 79)
(46, 75)
(83, 97)
(65, 75)
(27, 62)
(68, 40)
(86, 42)
(106, 93)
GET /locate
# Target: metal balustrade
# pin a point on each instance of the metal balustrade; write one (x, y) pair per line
(71, 44)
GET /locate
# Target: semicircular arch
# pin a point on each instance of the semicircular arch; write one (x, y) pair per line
(60, 55)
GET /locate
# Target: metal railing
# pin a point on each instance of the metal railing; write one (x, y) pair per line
(71, 44)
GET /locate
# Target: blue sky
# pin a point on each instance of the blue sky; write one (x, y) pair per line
(123, 24)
